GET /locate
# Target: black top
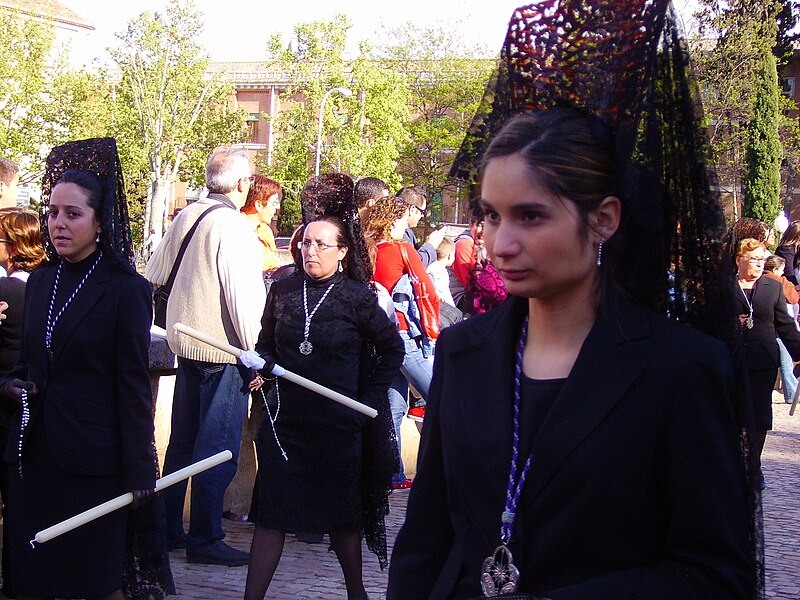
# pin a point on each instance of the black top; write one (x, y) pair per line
(12, 290)
(537, 397)
(789, 254)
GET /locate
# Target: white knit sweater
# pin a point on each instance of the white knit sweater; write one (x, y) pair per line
(219, 288)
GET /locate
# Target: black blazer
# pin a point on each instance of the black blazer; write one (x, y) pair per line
(94, 401)
(770, 321)
(636, 488)
(12, 290)
(789, 254)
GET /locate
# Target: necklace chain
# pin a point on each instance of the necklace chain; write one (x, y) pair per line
(24, 419)
(51, 322)
(514, 489)
(306, 347)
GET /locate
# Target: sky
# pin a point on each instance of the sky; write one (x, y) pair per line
(238, 30)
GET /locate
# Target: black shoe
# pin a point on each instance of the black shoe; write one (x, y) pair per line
(218, 554)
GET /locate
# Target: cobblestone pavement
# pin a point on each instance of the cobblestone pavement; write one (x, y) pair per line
(311, 571)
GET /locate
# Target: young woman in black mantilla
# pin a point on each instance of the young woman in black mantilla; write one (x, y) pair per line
(598, 455)
(84, 429)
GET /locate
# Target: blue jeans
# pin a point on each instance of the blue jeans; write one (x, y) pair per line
(398, 391)
(787, 373)
(416, 368)
(208, 410)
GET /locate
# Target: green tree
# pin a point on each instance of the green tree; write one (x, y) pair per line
(24, 79)
(729, 54)
(446, 80)
(181, 111)
(362, 133)
(762, 183)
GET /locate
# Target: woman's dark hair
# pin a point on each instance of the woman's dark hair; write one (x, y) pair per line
(90, 183)
(792, 236)
(774, 262)
(568, 152)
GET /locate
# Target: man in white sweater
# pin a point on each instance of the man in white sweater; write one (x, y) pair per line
(218, 290)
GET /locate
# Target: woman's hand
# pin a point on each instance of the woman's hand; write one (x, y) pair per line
(3, 307)
(256, 382)
(141, 497)
(13, 389)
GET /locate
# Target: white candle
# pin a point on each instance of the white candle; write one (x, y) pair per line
(125, 499)
(281, 372)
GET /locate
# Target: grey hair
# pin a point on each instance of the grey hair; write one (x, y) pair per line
(8, 168)
(224, 169)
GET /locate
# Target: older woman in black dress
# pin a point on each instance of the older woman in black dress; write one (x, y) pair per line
(763, 317)
(325, 325)
(84, 428)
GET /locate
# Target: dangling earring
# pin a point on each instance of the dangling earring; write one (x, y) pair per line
(340, 267)
(600, 251)
(97, 238)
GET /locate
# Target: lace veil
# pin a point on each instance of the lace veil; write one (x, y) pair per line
(98, 155)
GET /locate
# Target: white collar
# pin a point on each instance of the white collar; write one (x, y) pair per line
(21, 275)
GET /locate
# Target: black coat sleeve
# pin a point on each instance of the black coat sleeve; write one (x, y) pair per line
(788, 253)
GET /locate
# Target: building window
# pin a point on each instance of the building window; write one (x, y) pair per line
(787, 87)
(252, 127)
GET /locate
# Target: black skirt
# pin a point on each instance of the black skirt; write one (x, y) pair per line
(83, 563)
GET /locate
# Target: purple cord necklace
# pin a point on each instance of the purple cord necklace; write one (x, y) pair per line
(499, 575)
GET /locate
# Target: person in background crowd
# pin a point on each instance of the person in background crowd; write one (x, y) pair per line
(368, 191)
(220, 291)
(385, 226)
(774, 268)
(20, 253)
(787, 250)
(9, 182)
(445, 255)
(417, 203)
(263, 202)
(469, 249)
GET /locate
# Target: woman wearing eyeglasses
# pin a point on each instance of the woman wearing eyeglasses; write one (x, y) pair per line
(763, 318)
(324, 324)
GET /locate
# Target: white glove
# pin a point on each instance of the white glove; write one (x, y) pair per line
(252, 360)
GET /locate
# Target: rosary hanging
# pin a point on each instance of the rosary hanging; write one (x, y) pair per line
(499, 575)
(51, 321)
(305, 346)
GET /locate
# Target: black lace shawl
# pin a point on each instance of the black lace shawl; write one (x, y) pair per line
(626, 62)
(147, 574)
(98, 155)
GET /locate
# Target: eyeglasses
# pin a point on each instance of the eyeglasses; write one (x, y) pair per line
(250, 178)
(2, 241)
(422, 211)
(755, 261)
(318, 246)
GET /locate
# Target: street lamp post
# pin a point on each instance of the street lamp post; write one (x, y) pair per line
(344, 92)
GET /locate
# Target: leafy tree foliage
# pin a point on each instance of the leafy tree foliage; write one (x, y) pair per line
(180, 112)
(361, 133)
(446, 80)
(764, 153)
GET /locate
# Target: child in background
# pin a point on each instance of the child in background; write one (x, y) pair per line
(445, 256)
(774, 268)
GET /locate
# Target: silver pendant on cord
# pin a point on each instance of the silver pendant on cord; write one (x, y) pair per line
(749, 322)
(305, 348)
(498, 574)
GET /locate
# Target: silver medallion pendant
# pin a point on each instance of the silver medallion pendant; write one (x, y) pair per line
(305, 348)
(749, 322)
(498, 574)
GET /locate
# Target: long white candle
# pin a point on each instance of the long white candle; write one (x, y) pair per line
(125, 499)
(281, 372)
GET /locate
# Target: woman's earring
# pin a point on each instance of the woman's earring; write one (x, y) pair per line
(97, 238)
(600, 251)
(340, 267)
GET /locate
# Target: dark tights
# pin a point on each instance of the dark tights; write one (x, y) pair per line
(266, 550)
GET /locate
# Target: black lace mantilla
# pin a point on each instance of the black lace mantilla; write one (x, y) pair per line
(98, 155)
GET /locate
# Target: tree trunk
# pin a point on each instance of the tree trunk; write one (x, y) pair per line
(158, 205)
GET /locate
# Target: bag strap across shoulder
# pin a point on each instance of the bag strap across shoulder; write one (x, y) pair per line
(184, 245)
